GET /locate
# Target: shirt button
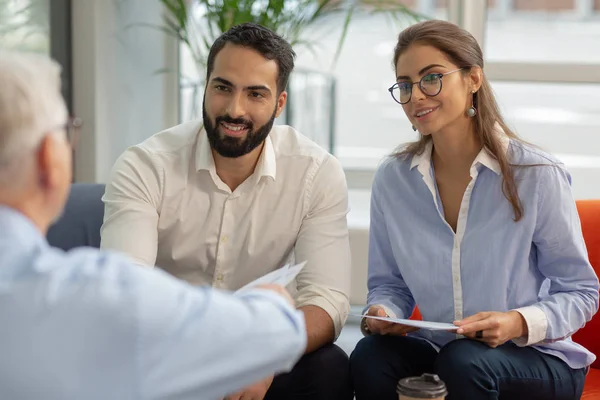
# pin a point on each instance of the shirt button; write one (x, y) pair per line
(224, 239)
(219, 277)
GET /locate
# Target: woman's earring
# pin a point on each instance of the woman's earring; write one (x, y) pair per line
(472, 111)
(414, 129)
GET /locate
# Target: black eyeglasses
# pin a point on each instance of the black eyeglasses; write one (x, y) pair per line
(430, 85)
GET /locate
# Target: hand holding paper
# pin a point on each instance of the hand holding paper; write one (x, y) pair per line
(433, 326)
(378, 322)
(282, 276)
(381, 327)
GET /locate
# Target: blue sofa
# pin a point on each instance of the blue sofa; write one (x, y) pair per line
(81, 220)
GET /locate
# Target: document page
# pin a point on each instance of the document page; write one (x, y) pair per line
(433, 326)
(282, 276)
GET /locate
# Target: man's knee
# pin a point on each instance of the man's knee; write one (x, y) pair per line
(321, 375)
(327, 372)
(328, 357)
(329, 363)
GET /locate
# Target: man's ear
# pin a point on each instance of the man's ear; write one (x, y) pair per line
(281, 100)
(48, 161)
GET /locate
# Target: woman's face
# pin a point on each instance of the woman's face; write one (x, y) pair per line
(427, 111)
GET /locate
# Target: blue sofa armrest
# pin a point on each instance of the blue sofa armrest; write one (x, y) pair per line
(80, 223)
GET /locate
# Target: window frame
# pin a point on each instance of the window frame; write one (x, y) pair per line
(61, 45)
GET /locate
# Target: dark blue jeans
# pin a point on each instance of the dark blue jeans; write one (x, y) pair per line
(323, 374)
(471, 370)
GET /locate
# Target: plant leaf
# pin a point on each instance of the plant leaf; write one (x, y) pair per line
(345, 27)
(292, 19)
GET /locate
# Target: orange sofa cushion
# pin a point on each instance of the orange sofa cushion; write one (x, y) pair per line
(591, 390)
(589, 214)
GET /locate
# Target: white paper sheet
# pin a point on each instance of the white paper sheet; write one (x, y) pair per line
(432, 326)
(282, 276)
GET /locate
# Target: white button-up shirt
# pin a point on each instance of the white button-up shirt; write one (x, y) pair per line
(165, 205)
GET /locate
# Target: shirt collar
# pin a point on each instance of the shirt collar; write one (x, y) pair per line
(266, 166)
(267, 163)
(204, 157)
(423, 160)
(14, 226)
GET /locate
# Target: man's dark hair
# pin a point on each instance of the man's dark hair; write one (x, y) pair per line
(269, 44)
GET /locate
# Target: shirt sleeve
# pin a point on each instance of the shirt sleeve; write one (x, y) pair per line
(562, 258)
(537, 325)
(204, 343)
(324, 243)
(131, 204)
(385, 282)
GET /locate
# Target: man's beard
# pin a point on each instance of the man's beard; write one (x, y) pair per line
(233, 147)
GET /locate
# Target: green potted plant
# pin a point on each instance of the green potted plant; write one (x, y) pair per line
(197, 23)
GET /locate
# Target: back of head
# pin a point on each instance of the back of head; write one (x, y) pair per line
(266, 42)
(31, 104)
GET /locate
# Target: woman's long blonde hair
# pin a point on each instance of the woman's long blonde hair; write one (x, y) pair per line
(462, 49)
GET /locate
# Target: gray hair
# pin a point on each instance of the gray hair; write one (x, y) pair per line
(31, 105)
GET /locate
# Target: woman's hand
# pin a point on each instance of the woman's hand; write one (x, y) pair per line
(493, 328)
(377, 326)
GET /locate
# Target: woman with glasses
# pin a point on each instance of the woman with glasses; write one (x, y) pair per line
(477, 228)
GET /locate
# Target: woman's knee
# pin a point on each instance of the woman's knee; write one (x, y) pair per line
(369, 369)
(460, 358)
(368, 350)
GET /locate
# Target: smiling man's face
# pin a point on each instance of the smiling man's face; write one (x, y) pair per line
(241, 101)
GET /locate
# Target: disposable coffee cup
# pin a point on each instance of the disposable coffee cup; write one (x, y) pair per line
(426, 386)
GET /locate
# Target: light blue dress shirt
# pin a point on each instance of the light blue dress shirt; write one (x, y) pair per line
(538, 265)
(89, 325)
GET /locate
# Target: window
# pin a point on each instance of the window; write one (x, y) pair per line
(556, 31)
(542, 57)
(368, 122)
(560, 118)
(25, 25)
(42, 26)
(190, 86)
